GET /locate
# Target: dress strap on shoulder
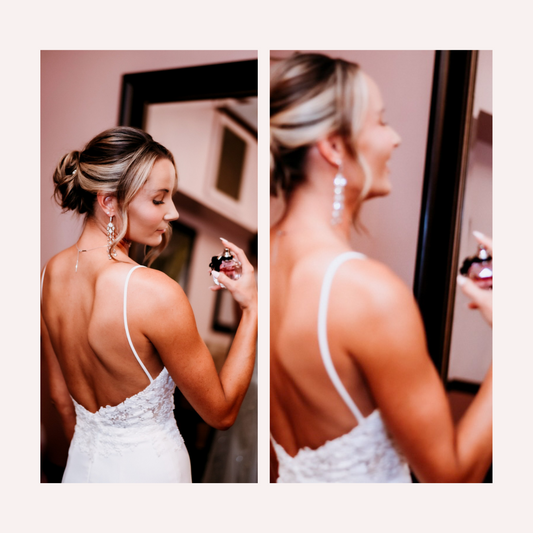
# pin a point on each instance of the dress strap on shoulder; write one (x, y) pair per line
(126, 322)
(323, 334)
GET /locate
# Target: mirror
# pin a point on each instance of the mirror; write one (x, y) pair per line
(471, 338)
(207, 117)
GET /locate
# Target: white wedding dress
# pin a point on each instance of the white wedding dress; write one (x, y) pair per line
(367, 453)
(136, 441)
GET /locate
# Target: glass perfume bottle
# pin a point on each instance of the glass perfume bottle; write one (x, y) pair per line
(227, 264)
(479, 268)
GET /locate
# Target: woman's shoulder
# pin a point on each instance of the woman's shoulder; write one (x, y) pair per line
(61, 262)
(149, 284)
(376, 311)
(372, 289)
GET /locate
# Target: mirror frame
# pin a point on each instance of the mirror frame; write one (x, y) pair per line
(442, 198)
(204, 82)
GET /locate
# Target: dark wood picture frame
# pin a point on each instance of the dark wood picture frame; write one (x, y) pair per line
(442, 198)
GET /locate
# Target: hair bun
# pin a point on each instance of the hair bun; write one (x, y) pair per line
(68, 192)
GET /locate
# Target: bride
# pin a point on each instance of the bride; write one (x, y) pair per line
(354, 395)
(117, 338)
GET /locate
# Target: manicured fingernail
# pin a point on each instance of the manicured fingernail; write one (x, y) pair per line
(478, 234)
(215, 274)
(222, 239)
(461, 280)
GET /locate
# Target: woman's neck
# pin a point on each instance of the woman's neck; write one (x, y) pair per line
(311, 210)
(94, 235)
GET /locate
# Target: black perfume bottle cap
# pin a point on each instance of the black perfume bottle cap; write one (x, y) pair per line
(216, 261)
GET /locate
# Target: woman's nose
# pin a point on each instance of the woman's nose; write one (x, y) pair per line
(172, 214)
(396, 138)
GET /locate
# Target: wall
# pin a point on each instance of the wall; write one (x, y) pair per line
(405, 79)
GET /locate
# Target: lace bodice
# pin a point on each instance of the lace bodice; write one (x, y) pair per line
(364, 455)
(145, 417)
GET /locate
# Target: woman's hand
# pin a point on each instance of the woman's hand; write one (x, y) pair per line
(244, 289)
(480, 298)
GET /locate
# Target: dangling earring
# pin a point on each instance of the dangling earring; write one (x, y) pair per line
(111, 252)
(339, 183)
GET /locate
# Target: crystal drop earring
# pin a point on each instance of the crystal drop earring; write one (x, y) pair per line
(339, 183)
(111, 235)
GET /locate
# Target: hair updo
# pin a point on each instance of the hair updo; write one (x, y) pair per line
(312, 96)
(118, 162)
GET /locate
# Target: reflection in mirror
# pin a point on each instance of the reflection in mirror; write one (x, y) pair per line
(207, 117)
(471, 341)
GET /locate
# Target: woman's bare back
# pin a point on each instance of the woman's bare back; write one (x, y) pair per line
(306, 409)
(84, 315)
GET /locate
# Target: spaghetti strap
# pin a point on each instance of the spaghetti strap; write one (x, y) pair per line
(126, 322)
(322, 330)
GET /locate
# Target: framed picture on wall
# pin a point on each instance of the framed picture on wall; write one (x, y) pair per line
(233, 166)
(226, 314)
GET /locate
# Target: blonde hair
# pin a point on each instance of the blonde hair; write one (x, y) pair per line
(313, 96)
(118, 162)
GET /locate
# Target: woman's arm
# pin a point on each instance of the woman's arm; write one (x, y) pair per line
(59, 393)
(389, 346)
(170, 325)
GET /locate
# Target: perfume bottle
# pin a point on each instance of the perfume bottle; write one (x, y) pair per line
(479, 268)
(227, 264)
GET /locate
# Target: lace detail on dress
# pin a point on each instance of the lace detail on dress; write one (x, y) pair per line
(367, 454)
(148, 416)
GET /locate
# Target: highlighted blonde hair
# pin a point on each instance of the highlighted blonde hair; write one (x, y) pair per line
(117, 162)
(313, 96)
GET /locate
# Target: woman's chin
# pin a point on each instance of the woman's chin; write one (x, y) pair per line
(152, 242)
(156, 241)
(383, 190)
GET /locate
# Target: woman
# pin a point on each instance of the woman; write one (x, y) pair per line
(117, 338)
(354, 394)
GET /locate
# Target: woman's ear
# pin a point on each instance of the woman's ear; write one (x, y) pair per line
(332, 149)
(107, 202)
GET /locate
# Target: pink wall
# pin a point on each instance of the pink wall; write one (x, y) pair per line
(405, 79)
(80, 97)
